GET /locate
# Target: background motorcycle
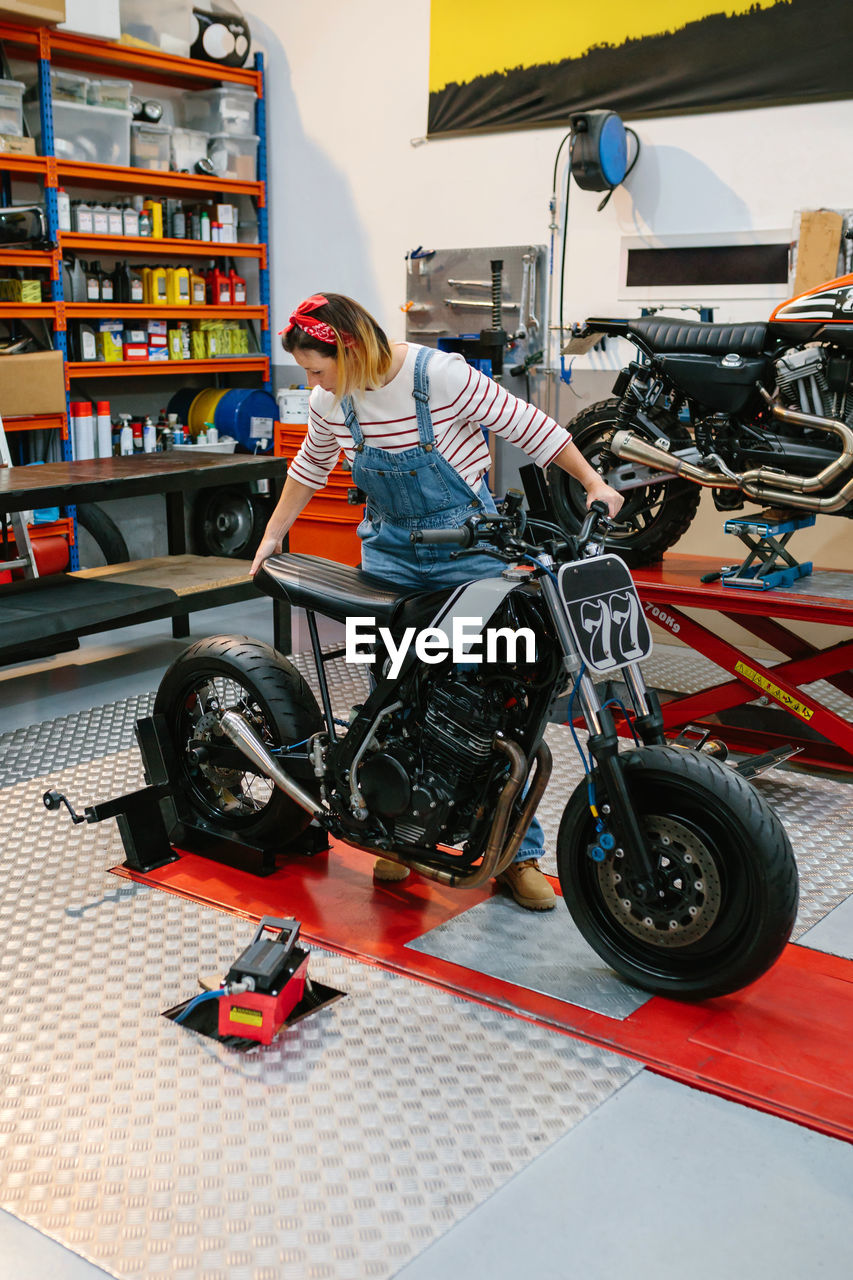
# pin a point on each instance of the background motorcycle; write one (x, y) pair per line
(675, 870)
(755, 412)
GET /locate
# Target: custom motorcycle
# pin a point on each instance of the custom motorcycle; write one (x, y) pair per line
(756, 412)
(674, 868)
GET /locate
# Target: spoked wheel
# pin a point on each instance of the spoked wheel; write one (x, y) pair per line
(654, 516)
(722, 901)
(215, 780)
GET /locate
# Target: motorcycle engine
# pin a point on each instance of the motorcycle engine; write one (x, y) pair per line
(430, 784)
(814, 380)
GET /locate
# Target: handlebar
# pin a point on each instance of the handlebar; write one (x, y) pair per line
(461, 537)
(598, 511)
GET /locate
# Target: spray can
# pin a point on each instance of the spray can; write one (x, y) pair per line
(82, 430)
(149, 436)
(105, 430)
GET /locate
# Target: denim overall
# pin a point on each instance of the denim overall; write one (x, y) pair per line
(419, 489)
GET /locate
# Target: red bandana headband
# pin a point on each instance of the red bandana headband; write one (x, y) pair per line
(308, 323)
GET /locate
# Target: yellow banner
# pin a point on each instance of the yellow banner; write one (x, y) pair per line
(471, 38)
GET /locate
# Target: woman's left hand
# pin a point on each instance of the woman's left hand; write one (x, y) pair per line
(603, 493)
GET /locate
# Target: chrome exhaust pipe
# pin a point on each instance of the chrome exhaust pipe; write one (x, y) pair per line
(763, 484)
(235, 728)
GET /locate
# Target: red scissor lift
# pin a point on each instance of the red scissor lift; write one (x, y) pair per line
(676, 584)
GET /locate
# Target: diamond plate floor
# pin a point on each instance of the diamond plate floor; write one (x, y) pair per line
(340, 1151)
(151, 1152)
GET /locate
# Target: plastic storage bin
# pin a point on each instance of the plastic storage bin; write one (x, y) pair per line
(161, 24)
(110, 93)
(227, 110)
(66, 86)
(234, 157)
(150, 145)
(94, 135)
(188, 146)
(11, 107)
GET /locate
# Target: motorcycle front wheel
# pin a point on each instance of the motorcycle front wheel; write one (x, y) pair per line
(723, 898)
(654, 516)
(235, 673)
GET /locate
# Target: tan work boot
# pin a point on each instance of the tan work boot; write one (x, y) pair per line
(385, 869)
(527, 884)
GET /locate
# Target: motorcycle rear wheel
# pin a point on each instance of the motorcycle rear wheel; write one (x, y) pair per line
(724, 898)
(234, 672)
(654, 517)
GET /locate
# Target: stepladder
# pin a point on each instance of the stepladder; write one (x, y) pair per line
(14, 523)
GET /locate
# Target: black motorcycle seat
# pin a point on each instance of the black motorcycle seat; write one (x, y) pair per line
(337, 591)
(696, 336)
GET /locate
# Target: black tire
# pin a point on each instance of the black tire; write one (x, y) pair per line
(654, 517)
(234, 671)
(104, 531)
(711, 935)
(229, 522)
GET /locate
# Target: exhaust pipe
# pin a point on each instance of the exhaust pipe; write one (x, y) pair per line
(246, 740)
(762, 483)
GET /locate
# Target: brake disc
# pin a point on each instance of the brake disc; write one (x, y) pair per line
(685, 898)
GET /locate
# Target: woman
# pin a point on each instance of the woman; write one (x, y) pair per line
(409, 420)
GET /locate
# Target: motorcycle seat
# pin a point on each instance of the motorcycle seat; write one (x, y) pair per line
(669, 336)
(337, 591)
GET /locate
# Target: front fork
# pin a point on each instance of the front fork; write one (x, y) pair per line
(618, 812)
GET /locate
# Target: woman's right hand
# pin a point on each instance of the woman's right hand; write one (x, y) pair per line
(270, 545)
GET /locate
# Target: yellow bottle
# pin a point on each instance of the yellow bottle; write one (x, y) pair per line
(197, 287)
(154, 209)
(178, 286)
(146, 286)
(159, 293)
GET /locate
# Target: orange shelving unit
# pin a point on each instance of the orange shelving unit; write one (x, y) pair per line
(38, 422)
(144, 311)
(123, 368)
(77, 173)
(148, 247)
(47, 47)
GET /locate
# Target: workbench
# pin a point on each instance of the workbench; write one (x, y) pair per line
(49, 614)
(825, 596)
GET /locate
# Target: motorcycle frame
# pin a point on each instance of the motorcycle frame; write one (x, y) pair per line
(603, 741)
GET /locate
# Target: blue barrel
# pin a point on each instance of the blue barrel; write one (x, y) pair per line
(180, 403)
(248, 415)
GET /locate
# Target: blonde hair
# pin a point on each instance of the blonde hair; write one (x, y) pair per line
(361, 349)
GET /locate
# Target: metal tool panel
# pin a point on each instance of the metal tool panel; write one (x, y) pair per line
(438, 287)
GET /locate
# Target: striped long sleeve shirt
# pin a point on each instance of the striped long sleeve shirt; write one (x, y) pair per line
(461, 401)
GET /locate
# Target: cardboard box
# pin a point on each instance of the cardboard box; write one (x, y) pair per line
(41, 12)
(16, 146)
(135, 351)
(817, 251)
(93, 18)
(33, 383)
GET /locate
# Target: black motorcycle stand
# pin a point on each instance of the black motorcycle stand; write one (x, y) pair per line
(154, 821)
